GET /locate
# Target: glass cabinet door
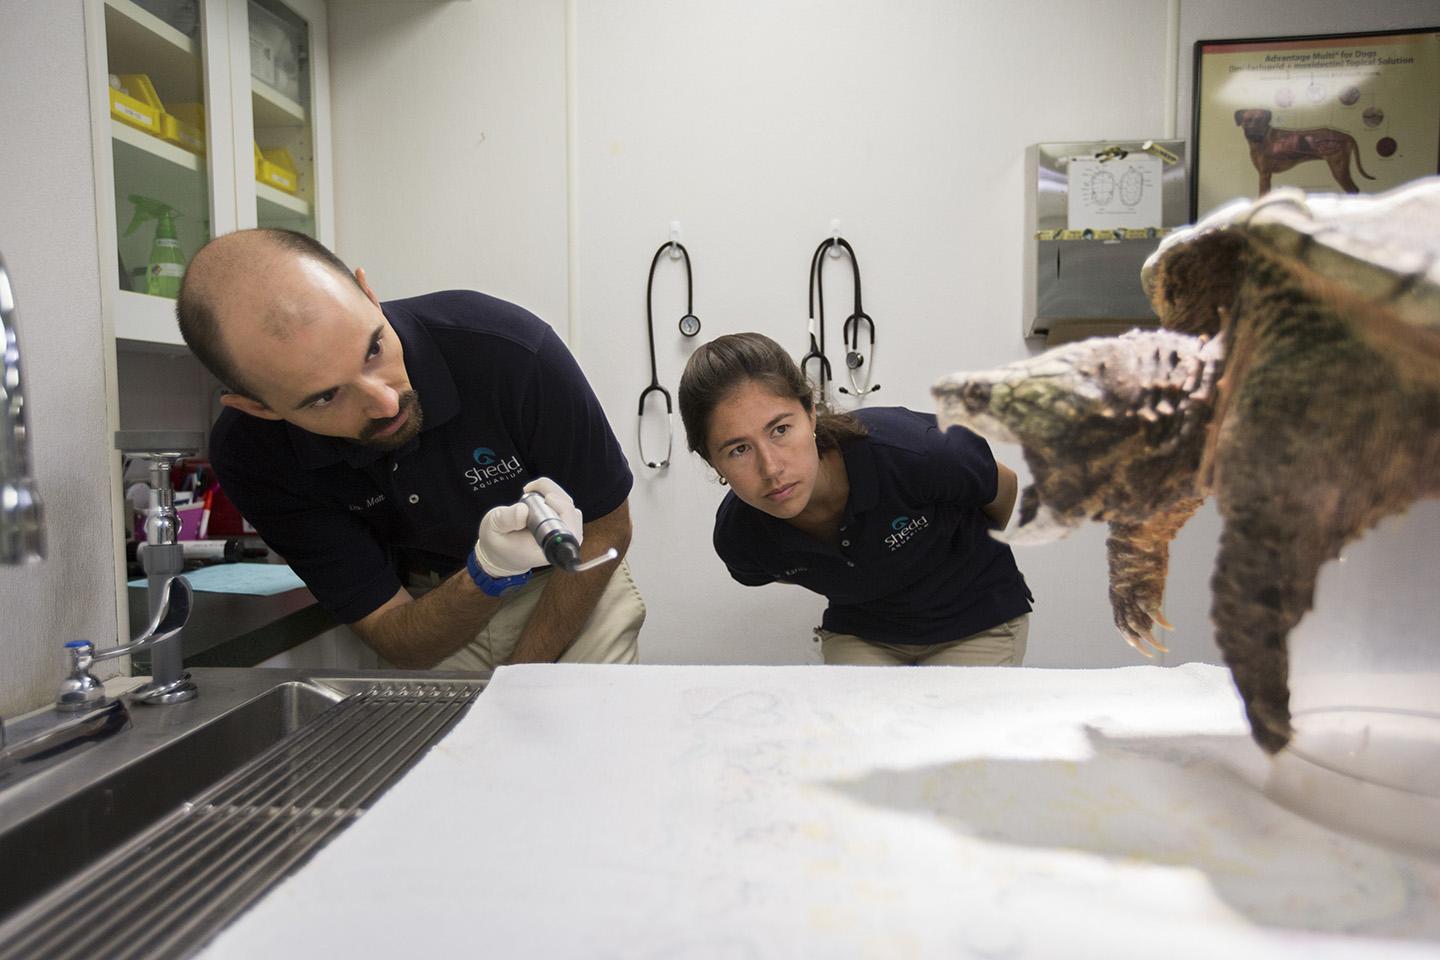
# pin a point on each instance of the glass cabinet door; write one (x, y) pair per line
(157, 95)
(281, 80)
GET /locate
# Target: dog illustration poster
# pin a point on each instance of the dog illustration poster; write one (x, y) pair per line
(1351, 114)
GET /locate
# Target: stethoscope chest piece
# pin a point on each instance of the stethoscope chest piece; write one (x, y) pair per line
(689, 325)
(854, 358)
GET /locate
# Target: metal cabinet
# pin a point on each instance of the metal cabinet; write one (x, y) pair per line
(1082, 279)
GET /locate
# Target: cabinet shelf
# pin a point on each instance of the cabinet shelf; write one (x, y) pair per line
(140, 42)
(159, 151)
(147, 165)
(150, 167)
(279, 205)
(273, 109)
(146, 320)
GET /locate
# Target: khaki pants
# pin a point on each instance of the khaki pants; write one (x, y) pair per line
(1003, 645)
(609, 636)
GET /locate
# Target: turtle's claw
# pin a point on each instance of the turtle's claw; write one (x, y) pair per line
(1139, 641)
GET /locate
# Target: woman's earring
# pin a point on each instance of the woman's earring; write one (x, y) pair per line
(723, 481)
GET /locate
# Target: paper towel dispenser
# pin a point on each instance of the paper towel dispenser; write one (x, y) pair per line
(1094, 210)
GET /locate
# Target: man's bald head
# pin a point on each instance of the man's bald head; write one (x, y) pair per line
(233, 276)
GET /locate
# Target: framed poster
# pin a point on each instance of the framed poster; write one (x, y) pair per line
(1353, 113)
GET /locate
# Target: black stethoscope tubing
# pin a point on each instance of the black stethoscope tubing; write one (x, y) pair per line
(851, 330)
(817, 346)
(686, 329)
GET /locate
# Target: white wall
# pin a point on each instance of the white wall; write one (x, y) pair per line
(48, 237)
(755, 124)
(449, 128)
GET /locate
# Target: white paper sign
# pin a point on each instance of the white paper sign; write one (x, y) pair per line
(1122, 192)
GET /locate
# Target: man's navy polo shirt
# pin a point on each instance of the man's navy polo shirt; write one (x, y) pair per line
(503, 402)
(915, 563)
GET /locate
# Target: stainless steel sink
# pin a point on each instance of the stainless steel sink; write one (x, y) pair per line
(213, 799)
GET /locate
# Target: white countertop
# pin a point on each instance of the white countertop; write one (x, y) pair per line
(739, 812)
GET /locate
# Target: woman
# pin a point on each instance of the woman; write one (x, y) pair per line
(878, 511)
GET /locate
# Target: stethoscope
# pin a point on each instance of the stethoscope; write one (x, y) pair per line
(857, 325)
(689, 327)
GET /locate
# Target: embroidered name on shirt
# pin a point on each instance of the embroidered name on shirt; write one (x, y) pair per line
(491, 469)
(378, 498)
(905, 529)
(793, 570)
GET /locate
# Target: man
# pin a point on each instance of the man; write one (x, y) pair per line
(366, 441)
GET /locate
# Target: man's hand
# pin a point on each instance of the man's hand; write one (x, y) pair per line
(505, 546)
(569, 599)
(419, 633)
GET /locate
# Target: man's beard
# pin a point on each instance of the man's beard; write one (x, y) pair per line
(409, 403)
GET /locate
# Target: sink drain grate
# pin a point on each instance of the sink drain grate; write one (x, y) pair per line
(164, 893)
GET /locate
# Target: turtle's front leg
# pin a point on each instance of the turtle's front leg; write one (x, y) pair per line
(1264, 582)
(1139, 552)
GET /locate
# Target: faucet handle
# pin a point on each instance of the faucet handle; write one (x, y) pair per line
(81, 690)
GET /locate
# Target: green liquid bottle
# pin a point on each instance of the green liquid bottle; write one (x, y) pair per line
(166, 267)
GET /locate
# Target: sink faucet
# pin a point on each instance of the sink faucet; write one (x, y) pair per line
(22, 522)
(163, 559)
(22, 519)
(81, 691)
(83, 711)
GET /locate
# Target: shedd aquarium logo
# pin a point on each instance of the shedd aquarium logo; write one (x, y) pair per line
(491, 468)
(905, 529)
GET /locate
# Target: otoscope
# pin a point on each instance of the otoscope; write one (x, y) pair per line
(561, 547)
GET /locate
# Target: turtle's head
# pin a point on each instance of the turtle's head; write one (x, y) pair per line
(1032, 401)
(976, 401)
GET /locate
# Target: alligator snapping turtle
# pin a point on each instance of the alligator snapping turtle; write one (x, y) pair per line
(1296, 378)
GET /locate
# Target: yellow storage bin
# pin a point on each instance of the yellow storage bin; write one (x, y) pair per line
(275, 168)
(135, 102)
(184, 125)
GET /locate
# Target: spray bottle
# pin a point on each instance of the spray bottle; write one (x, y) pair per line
(167, 264)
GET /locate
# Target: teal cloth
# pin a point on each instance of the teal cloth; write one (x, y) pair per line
(258, 579)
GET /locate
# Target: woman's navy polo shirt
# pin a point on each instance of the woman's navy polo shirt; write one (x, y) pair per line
(915, 563)
(503, 402)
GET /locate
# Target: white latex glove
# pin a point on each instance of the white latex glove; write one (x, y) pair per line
(506, 548)
(559, 501)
